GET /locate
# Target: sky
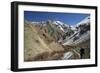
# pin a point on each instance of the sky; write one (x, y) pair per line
(67, 18)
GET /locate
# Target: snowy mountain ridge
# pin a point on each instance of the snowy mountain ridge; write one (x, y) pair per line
(84, 21)
(60, 25)
(82, 33)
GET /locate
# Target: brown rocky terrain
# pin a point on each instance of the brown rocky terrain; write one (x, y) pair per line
(53, 41)
(39, 46)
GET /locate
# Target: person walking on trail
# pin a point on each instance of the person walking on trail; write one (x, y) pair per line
(82, 52)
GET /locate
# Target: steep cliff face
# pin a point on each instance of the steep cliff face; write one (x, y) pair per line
(39, 46)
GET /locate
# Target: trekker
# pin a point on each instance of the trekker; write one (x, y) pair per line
(82, 52)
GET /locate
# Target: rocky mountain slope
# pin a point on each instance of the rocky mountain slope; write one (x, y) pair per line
(81, 34)
(80, 39)
(54, 40)
(39, 46)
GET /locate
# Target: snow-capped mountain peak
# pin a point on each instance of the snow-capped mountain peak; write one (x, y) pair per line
(61, 25)
(84, 21)
(58, 22)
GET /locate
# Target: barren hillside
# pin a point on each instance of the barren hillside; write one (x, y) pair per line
(40, 46)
